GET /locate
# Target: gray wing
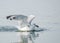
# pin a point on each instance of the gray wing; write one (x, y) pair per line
(22, 19)
(17, 17)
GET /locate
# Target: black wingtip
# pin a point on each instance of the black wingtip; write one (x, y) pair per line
(36, 25)
(14, 17)
(8, 17)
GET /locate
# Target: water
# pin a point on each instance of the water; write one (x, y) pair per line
(9, 34)
(51, 36)
(8, 37)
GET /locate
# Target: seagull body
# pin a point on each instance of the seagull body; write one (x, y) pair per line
(25, 27)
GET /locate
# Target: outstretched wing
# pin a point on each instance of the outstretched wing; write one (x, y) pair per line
(22, 19)
(30, 18)
(17, 17)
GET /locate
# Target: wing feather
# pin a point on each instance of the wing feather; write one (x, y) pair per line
(22, 19)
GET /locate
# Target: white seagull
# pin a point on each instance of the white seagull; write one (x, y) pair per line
(24, 24)
(27, 30)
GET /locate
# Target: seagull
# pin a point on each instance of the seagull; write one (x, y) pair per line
(25, 27)
(24, 23)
